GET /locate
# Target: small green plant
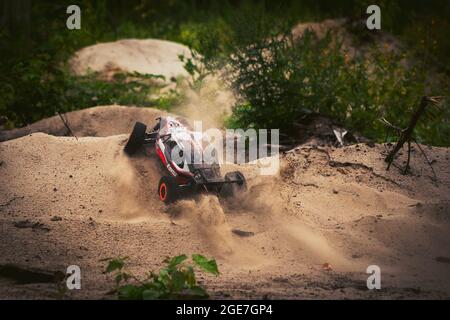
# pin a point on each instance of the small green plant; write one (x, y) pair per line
(175, 281)
(195, 69)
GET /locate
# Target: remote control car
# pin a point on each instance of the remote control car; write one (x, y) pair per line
(186, 175)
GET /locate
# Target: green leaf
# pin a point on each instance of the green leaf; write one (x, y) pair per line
(190, 276)
(157, 285)
(118, 278)
(151, 294)
(207, 265)
(178, 281)
(130, 292)
(115, 264)
(164, 276)
(177, 260)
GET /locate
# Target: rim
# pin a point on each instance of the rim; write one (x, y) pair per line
(163, 192)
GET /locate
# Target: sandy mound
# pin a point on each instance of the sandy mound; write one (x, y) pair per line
(99, 121)
(64, 202)
(339, 27)
(150, 56)
(210, 105)
(321, 28)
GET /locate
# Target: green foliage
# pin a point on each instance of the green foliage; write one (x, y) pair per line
(34, 82)
(115, 264)
(195, 69)
(279, 80)
(36, 95)
(207, 265)
(174, 281)
(125, 89)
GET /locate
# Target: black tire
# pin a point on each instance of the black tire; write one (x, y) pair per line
(232, 189)
(168, 190)
(136, 139)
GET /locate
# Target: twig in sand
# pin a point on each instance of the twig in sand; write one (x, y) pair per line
(406, 135)
(426, 158)
(66, 124)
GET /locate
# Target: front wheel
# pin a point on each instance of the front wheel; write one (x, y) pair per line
(168, 190)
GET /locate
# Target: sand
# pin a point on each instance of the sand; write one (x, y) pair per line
(65, 201)
(101, 121)
(146, 56)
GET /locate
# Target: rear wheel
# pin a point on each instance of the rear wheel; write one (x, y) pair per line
(168, 189)
(136, 139)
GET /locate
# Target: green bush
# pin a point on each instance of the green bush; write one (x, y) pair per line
(175, 281)
(279, 80)
(37, 93)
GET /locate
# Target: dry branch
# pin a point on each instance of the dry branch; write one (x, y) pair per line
(406, 135)
(66, 124)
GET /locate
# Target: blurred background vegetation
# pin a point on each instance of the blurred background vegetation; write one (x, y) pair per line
(310, 76)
